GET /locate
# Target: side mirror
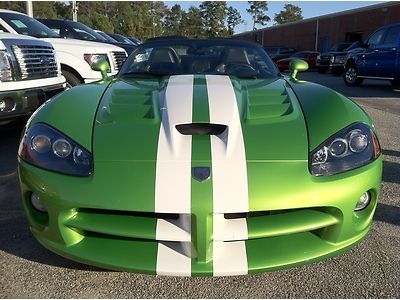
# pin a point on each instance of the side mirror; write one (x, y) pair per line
(295, 66)
(102, 66)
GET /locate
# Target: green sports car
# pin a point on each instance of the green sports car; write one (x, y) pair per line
(199, 158)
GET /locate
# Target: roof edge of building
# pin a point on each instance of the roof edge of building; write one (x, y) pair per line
(350, 11)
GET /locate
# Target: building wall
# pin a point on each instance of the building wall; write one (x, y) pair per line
(339, 27)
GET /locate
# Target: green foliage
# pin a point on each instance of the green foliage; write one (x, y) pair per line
(192, 23)
(290, 13)
(213, 15)
(142, 19)
(258, 11)
(233, 19)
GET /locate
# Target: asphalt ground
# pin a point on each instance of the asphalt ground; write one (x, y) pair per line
(369, 270)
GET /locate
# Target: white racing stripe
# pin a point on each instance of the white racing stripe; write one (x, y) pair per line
(173, 177)
(230, 189)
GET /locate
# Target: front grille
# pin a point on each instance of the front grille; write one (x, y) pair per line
(118, 59)
(35, 61)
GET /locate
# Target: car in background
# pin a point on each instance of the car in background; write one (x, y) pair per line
(277, 53)
(333, 59)
(135, 40)
(30, 74)
(122, 39)
(200, 159)
(75, 56)
(308, 56)
(76, 30)
(377, 58)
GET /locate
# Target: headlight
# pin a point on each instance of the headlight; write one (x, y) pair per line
(5, 67)
(92, 58)
(47, 148)
(352, 147)
(318, 57)
(332, 59)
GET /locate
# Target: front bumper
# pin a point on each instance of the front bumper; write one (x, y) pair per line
(23, 102)
(292, 220)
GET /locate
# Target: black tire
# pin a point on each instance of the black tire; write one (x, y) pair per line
(396, 83)
(350, 76)
(322, 70)
(71, 78)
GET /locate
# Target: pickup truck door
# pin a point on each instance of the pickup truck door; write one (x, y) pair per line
(387, 54)
(368, 59)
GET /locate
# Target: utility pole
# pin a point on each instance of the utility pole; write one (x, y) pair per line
(29, 8)
(74, 11)
(316, 35)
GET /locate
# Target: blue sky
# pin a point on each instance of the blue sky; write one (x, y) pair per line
(309, 8)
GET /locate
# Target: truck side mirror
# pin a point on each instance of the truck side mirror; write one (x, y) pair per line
(102, 66)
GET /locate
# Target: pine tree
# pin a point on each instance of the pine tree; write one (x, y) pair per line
(258, 10)
(233, 19)
(290, 13)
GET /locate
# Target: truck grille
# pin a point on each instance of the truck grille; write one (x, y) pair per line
(35, 61)
(118, 59)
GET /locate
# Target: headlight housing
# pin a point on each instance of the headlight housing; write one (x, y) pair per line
(47, 148)
(92, 58)
(5, 67)
(350, 148)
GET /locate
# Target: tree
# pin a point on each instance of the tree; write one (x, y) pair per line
(173, 21)
(258, 11)
(290, 13)
(233, 19)
(213, 16)
(192, 23)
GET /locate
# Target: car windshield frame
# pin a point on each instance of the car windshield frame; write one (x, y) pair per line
(26, 25)
(197, 50)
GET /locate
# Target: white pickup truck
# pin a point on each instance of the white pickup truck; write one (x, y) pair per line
(29, 75)
(75, 56)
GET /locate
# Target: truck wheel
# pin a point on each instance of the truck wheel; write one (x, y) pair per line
(322, 70)
(396, 83)
(72, 80)
(350, 76)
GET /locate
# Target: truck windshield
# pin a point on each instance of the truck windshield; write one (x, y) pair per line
(25, 25)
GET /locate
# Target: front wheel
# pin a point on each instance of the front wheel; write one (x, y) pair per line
(350, 76)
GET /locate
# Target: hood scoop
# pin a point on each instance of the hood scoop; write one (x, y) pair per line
(201, 129)
(267, 103)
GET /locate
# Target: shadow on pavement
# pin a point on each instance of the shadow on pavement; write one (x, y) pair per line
(388, 214)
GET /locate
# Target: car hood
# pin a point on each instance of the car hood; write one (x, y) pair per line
(136, 120)
(81, 46)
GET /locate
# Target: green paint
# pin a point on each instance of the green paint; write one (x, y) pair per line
(201, 192)
(282, 121)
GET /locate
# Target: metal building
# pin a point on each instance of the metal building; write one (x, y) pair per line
(322, 32)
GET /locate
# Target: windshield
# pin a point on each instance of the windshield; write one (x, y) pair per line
(107, 37)
(301, 54)
(340, 47)
(122, 39)
(87, 33)
(169, 57)
(25, 25)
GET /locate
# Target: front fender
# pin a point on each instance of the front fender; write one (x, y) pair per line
(73, 112)
(325, 111)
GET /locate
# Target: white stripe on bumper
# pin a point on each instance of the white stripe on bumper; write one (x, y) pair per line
(230, 189)
(173, 178)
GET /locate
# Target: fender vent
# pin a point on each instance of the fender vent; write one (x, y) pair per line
(201, 129)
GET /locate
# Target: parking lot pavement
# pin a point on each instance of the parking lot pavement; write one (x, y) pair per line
(373, 93)
(370, 269)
